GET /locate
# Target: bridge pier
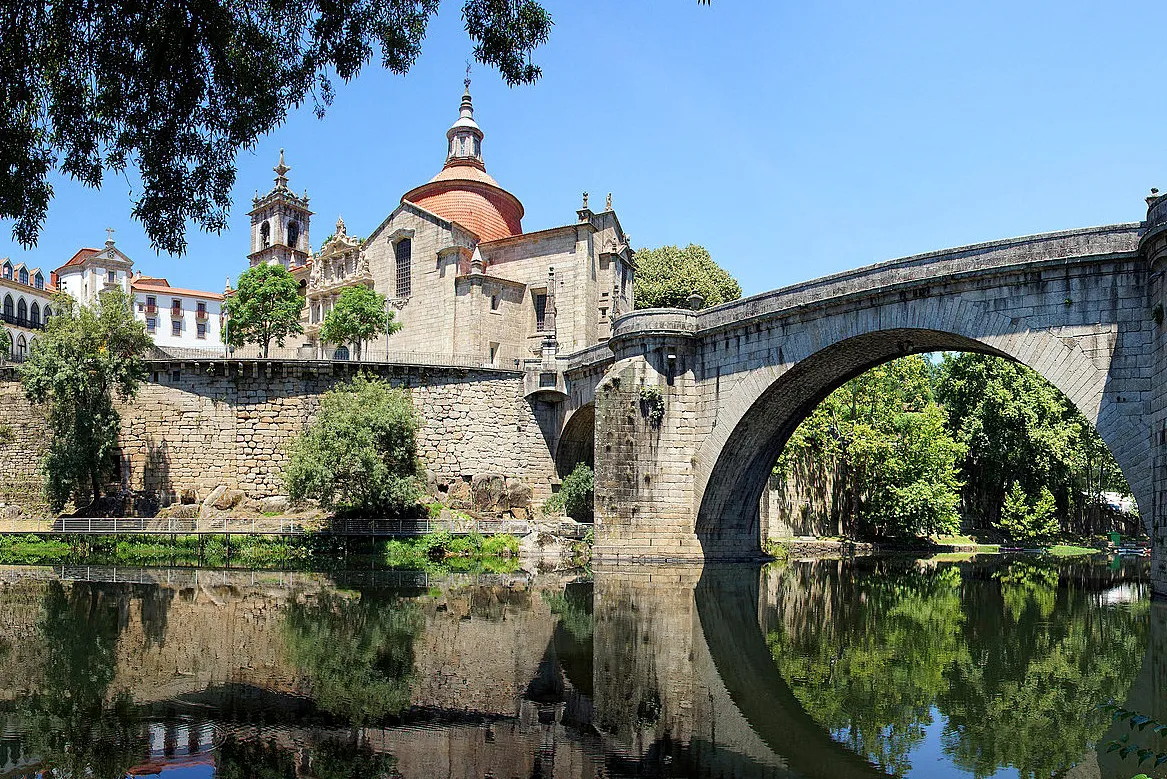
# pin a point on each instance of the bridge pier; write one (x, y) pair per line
(1153, 246)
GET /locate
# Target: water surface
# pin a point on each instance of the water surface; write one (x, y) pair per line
(871, 667)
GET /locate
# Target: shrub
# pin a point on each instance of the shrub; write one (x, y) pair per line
(360, 455)
(577, 492)
(1026, 521)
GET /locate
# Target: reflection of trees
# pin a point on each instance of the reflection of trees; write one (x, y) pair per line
(69, 722)
(871, 673)
(1044, 658)
(1015, 664)
(356, 653)
(257, 757)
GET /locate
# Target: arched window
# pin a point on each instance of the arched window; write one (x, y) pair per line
(265, 235)
(7, 270)
(24, 275)
(22, 312)
(293, 234)
(38, 281)
(21, 348)
(34, 314)
(9, 311)
(48, 313)
(404, 252)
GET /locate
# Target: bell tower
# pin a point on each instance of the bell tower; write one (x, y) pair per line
(279, 224)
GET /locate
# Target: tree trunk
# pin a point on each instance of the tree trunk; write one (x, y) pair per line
(96, 486)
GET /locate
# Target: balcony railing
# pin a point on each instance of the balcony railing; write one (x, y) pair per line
(151, 308)
(200, 313)
(22, 321)
(176, 312)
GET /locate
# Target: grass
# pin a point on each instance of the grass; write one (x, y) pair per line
(1070, 550)
(446, 552)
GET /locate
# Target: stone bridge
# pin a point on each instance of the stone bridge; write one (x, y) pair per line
(691, 409)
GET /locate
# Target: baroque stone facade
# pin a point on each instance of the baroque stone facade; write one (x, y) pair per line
(456, 268)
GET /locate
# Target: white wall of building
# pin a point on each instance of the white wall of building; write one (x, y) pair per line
(194, 326)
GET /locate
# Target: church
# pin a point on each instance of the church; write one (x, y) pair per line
(457, 269)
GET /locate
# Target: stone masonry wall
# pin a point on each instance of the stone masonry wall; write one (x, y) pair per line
(201, 426)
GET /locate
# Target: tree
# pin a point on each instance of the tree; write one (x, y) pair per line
(359, 314)
(176, 90)
(265, 307)
(5, 342)
(360, 454)
(1027, 520)
(85, 357)
(666, 277)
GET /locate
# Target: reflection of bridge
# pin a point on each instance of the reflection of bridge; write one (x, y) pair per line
(1083, 308)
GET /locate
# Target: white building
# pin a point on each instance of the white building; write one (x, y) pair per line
(27, 304)
(92, 271)
(175, 317)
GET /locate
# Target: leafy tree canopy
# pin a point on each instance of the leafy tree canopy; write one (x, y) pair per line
(85, 357)
(666, 277)
(265, 307)
(359, 314)
(360, 454)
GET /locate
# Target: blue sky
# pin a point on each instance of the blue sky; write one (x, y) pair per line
(791, 139)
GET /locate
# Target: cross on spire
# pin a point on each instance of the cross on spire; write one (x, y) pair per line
(109, 235)
(467, 81)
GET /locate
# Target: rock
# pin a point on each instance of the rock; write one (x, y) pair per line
(488, 493)
(180, 511)
(188, 495)
(229, 499)
(276, 504)
(518, 494)
(518, 512)
(210, 503)
(8, 512)
(459, 491)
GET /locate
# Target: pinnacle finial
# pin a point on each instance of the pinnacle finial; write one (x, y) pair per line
(585, 200)
(608, 204)
(467, 79)
(281, 172)
(340, 233)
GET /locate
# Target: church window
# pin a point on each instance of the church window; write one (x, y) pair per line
(404, 253)
(35, 315)
(493, 353)
(494, 302)
(293, 234)
(21, 348)
(22, 313)
(23, 276)
(540, 311)
(39, 281)
(48, 313)
(112, 277)
(9, 312)
(265, 235)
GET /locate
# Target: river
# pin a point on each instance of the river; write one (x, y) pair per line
(870, 667)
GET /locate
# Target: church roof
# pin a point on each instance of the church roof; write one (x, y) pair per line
(463, 192)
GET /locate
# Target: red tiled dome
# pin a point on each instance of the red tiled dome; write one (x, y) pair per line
(463, 191)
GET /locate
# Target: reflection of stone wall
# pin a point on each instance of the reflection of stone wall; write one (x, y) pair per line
(791, 506)
(199, 426)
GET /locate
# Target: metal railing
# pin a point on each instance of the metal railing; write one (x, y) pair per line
(22, 321)
(275, 526)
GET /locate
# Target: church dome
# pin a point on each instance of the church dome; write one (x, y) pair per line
(463, 191)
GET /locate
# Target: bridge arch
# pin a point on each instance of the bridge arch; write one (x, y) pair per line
(767, 403)
(577, 442)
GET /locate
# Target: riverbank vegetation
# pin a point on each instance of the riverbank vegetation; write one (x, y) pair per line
(923, 447)
(434, 552)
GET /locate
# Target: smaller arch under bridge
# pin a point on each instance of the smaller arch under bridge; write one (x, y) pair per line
(1084, 308)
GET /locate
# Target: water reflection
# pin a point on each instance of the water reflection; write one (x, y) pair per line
(862, 668)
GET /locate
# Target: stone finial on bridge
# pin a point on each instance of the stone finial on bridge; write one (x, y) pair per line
(695, 301)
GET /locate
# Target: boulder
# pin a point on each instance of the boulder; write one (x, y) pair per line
(188, 495)
(518, 494)
(459, 491)
(229, 499)
(488, 493)
(212, 499)
(276, 504)
(181, 511)
(10, 511)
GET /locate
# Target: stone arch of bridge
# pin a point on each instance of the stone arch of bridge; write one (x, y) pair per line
(768, 403)
(577, 443)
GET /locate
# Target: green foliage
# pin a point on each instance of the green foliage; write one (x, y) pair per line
(1012, 662)
(91, 88)
(360, 454)
(576, 496)
(5, 342)
(666, 277)
(652, 405)
(266, 306)
(357, 654)
(1123, 744)
(359, 314)
(881, 440)
(442, 550)
(1027, 520)
(85, 357)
